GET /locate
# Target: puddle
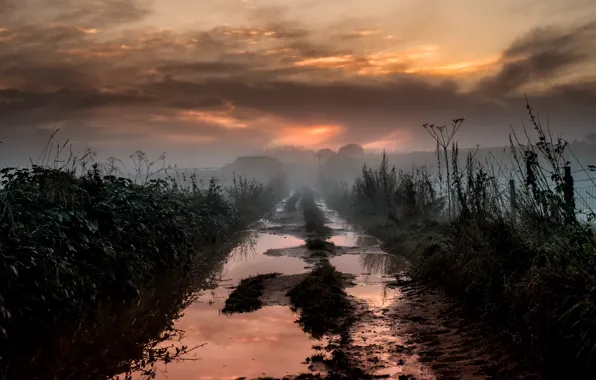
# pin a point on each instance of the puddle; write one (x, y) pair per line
(334, 221)
(355, 240)
(375, 294)
(282, 205)
(268, 342)
(369, 263)
(264, 343)
(267, 223)
(249, 259)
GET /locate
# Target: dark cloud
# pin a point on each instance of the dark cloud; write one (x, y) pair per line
(105, 12)
(542, 54)
(201, 67)
(86, 13)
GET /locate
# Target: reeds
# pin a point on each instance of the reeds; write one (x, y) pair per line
(509, 245)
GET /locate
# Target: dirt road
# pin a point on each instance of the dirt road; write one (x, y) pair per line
(398, 329)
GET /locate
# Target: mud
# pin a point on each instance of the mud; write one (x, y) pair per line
(394, 328)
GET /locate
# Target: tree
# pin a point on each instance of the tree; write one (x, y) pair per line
(350, 150)
(326, 152)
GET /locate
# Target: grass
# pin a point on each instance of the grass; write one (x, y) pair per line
(322, 302)
(76, 237)
(525, 264)
(317, 244)
(245, 297)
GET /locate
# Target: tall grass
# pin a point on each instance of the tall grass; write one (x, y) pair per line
(74, 237)
(518, 257)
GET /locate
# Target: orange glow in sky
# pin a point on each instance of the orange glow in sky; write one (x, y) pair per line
(395, 141)
(311, 136)
(218, 118)
(423, 59)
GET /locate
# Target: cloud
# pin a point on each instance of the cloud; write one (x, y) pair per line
(542, 54)
(86, 13)
(395, 141)
(90, 67)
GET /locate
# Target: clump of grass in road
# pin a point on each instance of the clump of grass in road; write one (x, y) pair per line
(317, 244)
(246, 296)
(322, 302)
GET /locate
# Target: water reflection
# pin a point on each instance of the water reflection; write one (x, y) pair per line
(266, 342)
(369, 263)
(355, 240)
(250, 260)
(376, 294)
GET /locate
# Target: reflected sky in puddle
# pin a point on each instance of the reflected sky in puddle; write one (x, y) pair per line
(268, 342)
(334, 221)
(376, 294)
(248, 259)
(265, 343)
(369, 263)
(354, 240)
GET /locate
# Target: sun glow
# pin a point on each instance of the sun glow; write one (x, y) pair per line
(395, 141)
(309, 136)
(219, 118)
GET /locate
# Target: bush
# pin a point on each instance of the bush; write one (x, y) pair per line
(74, 240)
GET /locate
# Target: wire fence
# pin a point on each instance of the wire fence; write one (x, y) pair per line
(585, 197)
(509, 191)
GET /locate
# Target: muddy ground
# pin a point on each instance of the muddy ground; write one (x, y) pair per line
(396, 329)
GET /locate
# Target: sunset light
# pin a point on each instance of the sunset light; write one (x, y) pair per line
(218, 118)
(395, 141)
(311, 136)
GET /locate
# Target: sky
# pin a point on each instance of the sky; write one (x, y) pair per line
(206, 81)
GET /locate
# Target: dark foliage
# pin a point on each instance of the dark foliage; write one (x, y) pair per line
(71, 243)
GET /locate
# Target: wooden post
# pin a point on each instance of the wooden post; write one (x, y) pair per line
(513, 199)
(568, 194)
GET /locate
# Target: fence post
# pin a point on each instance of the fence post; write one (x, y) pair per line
(568, 193)
(513, 199)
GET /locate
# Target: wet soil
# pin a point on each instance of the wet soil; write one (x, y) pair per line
(397, 329)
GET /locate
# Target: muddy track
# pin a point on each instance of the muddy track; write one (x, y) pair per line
(396, 329)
